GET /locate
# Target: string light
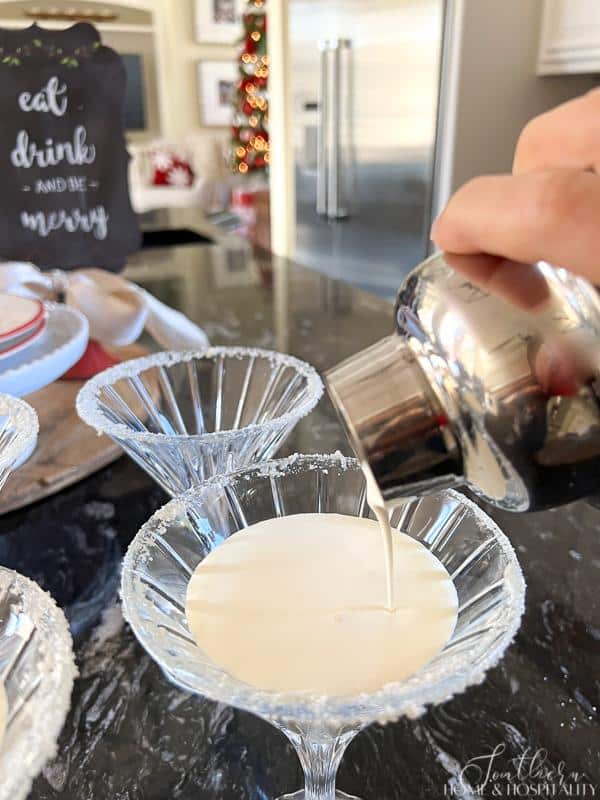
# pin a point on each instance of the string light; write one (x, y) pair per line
(250, 149)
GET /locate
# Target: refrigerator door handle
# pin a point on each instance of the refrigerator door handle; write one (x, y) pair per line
(330, 151)
(333, 187)
(337, 179)
(322, 130)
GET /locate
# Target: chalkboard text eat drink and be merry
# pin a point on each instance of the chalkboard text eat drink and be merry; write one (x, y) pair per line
(53, 99)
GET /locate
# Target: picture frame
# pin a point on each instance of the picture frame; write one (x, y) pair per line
(216, 82)
(218, 21)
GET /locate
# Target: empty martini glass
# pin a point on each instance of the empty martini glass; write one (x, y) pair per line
(184, 417)
(37, 671)
(18, 434)
(164, 554)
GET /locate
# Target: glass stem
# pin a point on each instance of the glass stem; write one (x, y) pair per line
(320, 751)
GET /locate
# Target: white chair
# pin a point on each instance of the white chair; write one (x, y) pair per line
(210, 190)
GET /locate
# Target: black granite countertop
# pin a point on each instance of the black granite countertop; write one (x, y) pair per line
(132, 736)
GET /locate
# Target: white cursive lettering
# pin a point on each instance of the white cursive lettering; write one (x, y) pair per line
(76, 153)
(50, 99)
(94, 221)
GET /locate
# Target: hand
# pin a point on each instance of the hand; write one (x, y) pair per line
(496, 227)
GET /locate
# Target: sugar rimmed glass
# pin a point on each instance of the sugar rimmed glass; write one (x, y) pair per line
(19, 428)
(37, 669)
(185, 417)
(164, 554)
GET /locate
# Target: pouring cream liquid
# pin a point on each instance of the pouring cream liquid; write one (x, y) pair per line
(376, 504)
(298, 603)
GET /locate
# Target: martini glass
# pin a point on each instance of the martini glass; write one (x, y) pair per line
(37, 670)
(18, 434)
(184, 417)
(164, 554)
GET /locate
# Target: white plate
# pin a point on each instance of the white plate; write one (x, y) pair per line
(20, 343)
(18, 315)
(61, 345)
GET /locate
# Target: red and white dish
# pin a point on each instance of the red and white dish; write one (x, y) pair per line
(62, 343)
(24, 340)
(19, 316)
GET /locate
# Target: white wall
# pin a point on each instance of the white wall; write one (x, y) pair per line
(180, 56)
(493, 86)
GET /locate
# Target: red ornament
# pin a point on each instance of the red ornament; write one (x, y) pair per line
(250, 46)
(247, 108)
(247, 83)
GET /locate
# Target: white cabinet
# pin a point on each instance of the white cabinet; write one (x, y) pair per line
(570, 37)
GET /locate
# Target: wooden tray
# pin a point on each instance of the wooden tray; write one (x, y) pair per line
(67, 450)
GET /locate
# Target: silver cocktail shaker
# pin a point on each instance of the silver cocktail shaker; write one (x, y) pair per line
(473, 391)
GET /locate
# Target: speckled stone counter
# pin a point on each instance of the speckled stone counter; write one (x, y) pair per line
(530, 730)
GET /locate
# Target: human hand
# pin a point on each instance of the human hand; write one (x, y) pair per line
(496, 227)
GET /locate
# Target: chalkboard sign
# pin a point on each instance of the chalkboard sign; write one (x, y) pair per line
(64, 199)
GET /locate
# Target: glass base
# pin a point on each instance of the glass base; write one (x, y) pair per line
(301, 795)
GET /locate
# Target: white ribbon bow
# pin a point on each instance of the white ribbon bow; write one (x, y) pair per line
(117, 310)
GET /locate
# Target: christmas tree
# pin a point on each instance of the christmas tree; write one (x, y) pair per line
(249, 135)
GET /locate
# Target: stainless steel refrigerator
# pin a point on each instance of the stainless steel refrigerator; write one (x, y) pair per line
(364, 82)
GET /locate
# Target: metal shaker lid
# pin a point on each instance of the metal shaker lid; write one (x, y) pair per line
(395, 423)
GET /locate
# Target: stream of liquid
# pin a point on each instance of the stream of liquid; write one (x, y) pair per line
(377, 506)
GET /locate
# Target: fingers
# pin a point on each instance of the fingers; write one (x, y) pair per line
(523, 285)
(566, 136)
(539, 216)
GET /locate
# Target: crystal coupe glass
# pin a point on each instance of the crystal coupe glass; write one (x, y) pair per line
(37, 670)
(184, 417)
(18, 433)
(165, 552)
